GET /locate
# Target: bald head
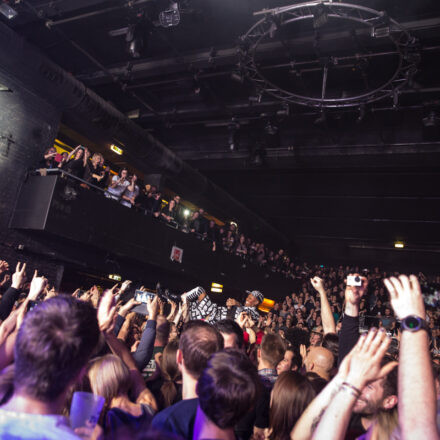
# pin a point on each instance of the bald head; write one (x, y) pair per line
(320, 361)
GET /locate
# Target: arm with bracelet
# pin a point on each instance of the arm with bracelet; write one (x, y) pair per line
(364, 366)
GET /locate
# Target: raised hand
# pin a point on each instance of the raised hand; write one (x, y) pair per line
(107, 312)
(125, 309)
(318, 284)
(406, 296)
(152, 307)
(37, 286)
(4, 266)
(366, 357)
(19, 277)
(125, 286)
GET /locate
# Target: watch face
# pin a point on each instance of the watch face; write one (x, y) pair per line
(412, 323)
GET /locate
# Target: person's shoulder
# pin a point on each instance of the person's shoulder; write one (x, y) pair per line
(184, 406)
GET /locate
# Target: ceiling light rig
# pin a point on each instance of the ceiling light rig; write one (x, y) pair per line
(370, 24)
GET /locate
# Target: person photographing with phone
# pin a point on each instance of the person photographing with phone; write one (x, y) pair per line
(118, 185)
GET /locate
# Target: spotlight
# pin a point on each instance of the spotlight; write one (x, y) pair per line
(237, 77)
(399, 244)
(170, 17)
(361, 114)
(270, 128)
(321, 119)
(431, 120)
(320, 16)
(186, 213)
(7, 11)
(234, 135)
(255, 99)
(135, 40)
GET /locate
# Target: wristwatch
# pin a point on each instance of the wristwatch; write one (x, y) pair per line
(414, 323)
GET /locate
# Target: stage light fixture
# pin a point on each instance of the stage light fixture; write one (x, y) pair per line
(431, 120)
(399, 244)
(7, 11)
(186, 213)
(216, 287)
(234, 135)
(320, 16)
(171, 16)
(135, 40)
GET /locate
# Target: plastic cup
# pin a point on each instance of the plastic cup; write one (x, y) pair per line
(85, 409)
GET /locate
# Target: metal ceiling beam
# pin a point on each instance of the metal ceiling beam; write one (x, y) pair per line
(296, 152)
(199, 59)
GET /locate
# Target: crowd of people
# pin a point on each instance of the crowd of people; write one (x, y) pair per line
(147, 198)
(189, 368)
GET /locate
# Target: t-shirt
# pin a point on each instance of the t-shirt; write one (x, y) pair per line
(75, 167)
(117, 191)
(14, 425)
(177, 419)
(120, 424)
(130, 194)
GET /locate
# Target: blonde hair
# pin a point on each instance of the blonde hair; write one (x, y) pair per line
(109, 377)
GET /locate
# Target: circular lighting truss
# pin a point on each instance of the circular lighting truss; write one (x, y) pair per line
(375, 24)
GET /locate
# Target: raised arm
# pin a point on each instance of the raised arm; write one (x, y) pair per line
(350, 322)
(417, 400)
(364, 366)
(328, 321)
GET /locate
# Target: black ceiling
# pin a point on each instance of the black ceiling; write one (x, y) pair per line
(360, 175)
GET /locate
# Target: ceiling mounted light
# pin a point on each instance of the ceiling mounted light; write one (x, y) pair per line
(234, 135)
(171, 16)
(4, 88)
(399, 244)
(7, 11)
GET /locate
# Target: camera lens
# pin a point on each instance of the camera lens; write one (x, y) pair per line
(357, 279)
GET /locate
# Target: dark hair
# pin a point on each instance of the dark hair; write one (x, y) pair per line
(291, 395)
(331, 342)
(227, 386)
(230, 327)
(170, 374)
(53, 344)
(272, 349)
(198, 341)
(297, 337)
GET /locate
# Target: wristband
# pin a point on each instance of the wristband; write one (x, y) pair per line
(357, 391)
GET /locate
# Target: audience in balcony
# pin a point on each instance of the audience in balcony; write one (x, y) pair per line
(129, 196)
(169, 212)
(118, 185)
(77, 161)
(93, 172)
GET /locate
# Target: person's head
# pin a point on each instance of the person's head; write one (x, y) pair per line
(50, 150)
(96, 158)
(198, 341)
(231, 332)
(177, 199)
(378, 395)
(315, 339)
(319, 360)
(254, 298)
(226, 387)
(387, 311)
(195, 215)
(79, 153)
(109, 377)
(171, 205)
(53, 345)
(290, 396)
(170, 373)
(211, 224)
(271, 350)
(123, 173)
(291, 362)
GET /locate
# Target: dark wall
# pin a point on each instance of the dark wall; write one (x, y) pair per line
(28, 125)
